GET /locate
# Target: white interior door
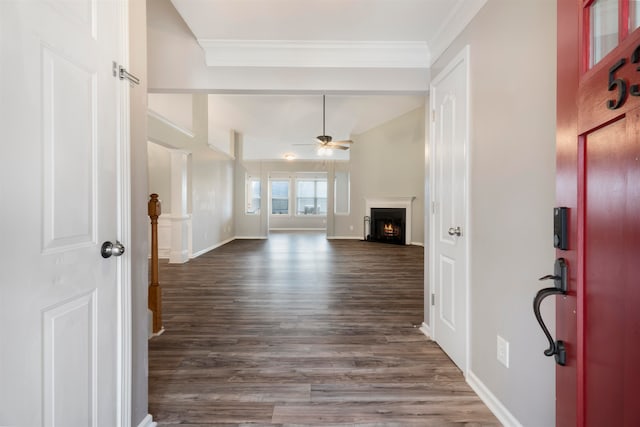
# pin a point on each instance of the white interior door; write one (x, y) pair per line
(60, 178)
(449, 227)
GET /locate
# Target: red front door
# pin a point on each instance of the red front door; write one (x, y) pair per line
(598, 178)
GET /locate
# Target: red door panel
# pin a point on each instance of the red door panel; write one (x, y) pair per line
(612, 272)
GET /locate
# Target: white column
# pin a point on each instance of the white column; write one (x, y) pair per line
(179, 215)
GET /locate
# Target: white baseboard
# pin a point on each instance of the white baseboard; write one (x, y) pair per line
(210, 248)
(493, 403)
(251, 238)
(147, 422)
(157, 334)
(150, 333)
(425, 329)
(297, 229)
(177, 257)
(417, 244)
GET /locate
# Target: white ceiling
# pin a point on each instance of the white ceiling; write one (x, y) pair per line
(312, 34)
(352, 20)
(273, 125)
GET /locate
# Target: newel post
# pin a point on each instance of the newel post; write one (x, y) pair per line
(155, 292)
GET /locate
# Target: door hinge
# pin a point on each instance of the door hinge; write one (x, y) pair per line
(433, 115)
(433, 299)
(434, 207)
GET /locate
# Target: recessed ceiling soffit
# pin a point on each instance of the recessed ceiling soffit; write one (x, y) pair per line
(316, 54)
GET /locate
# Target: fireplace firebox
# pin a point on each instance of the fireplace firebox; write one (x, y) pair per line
(388, 225)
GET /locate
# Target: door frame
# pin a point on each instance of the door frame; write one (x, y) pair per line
(568, 13)
(124, 326)
(464, 57)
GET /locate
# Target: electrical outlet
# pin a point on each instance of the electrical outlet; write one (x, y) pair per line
(503, 351)
(351, 228)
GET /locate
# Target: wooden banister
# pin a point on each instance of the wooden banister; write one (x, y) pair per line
(155, 292)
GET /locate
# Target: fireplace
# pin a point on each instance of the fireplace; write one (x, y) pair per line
(388, 225)
(388, 203)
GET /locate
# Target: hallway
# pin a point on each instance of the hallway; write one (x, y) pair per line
(298, 330)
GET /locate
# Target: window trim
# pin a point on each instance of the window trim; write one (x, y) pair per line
(249, 179)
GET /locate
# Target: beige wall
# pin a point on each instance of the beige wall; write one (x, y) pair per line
(513, 45)
(211, 179)
(159, 170)
(212, 194)
(387, 161)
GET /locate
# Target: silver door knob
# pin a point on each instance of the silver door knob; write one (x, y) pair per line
(455, 231)
(108, 249)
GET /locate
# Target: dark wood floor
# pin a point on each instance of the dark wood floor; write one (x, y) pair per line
(298, 330)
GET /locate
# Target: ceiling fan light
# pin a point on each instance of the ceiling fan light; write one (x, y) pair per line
(320, 151)
(324, 152)
(289, 156)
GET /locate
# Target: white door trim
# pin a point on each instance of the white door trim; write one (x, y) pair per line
(124, 328)
(462, 56)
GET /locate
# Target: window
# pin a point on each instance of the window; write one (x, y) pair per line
(253, 196)
(280, 197)
(634, 14)
(604, 28)
(311, 197)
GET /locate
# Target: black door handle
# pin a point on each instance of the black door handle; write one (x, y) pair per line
(560, 288)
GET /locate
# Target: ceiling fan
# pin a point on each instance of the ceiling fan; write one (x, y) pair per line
(325, 141)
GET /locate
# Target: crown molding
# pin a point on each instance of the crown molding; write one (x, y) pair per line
(316, 54)
(461, 15)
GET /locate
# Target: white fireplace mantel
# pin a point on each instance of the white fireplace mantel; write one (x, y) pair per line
(392, 202)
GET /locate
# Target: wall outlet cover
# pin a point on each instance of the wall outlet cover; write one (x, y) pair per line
(503, 351)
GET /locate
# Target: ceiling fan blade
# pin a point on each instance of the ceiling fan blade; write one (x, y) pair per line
(344, 141)
(337, 147)
(338, 144)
